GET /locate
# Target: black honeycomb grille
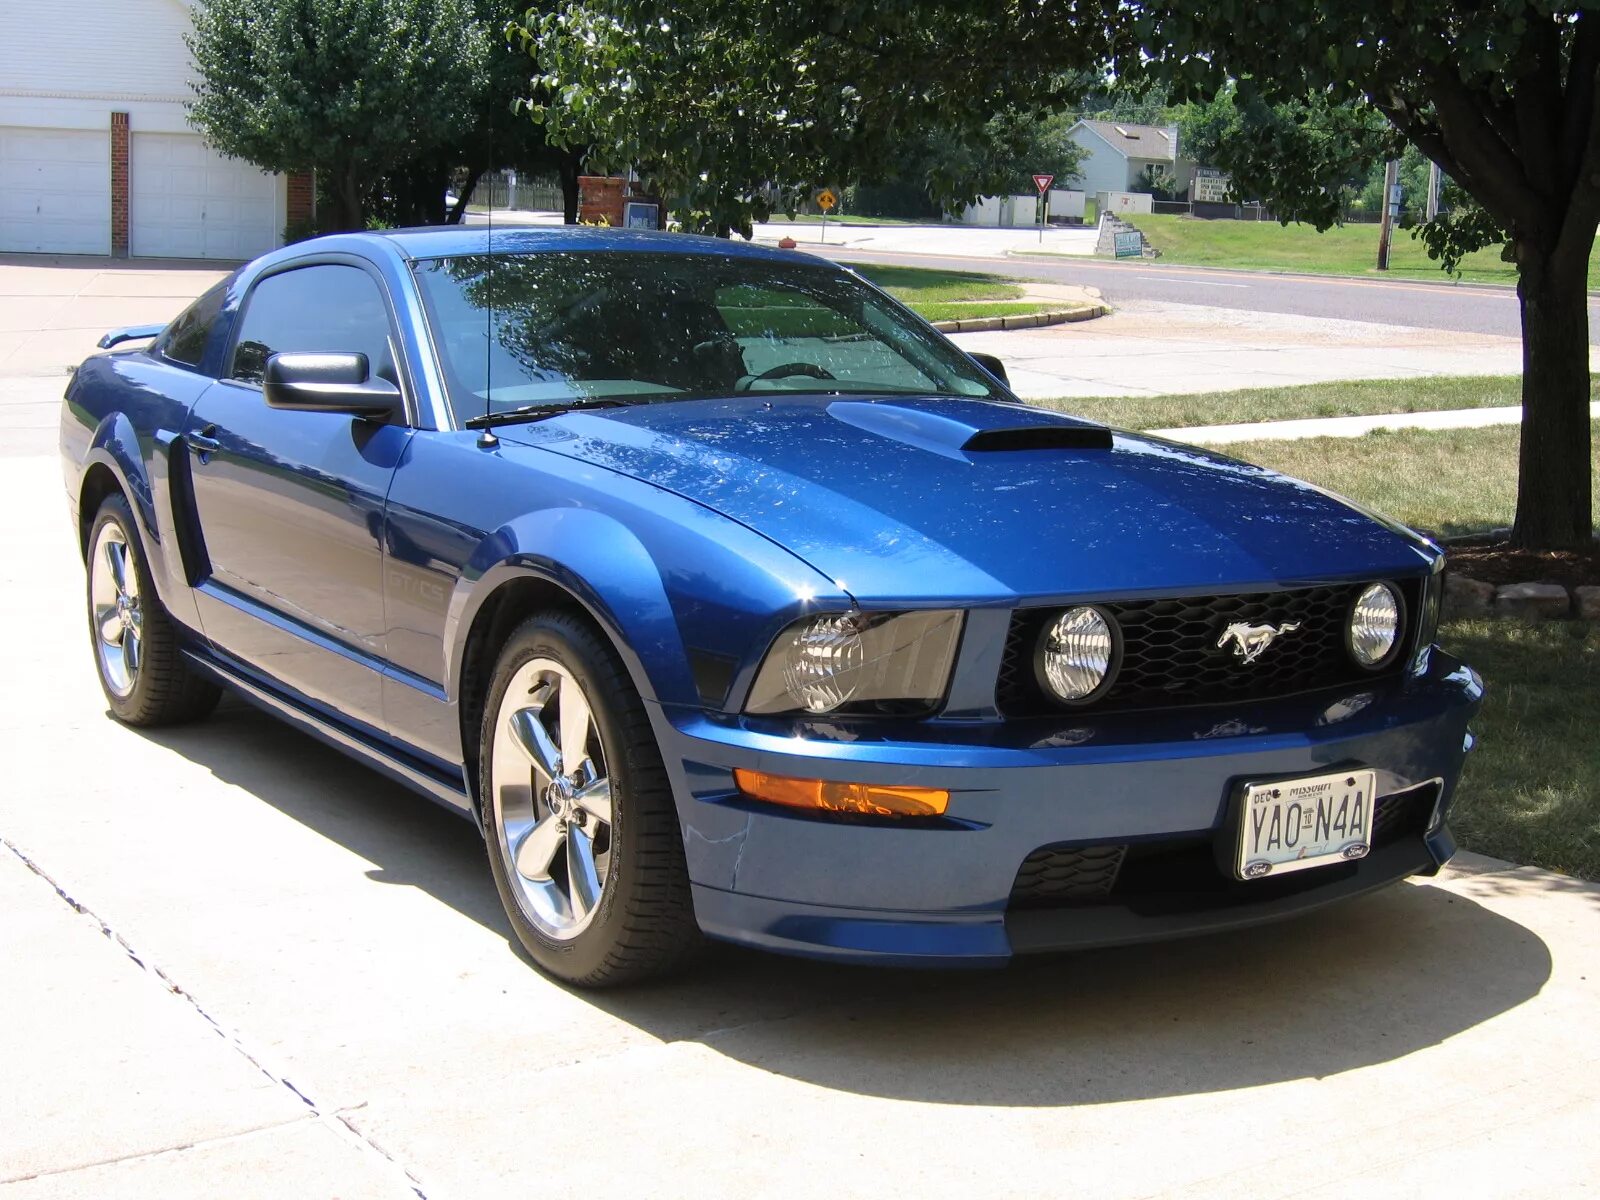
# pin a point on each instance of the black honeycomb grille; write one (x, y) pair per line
(1056, 876)
(1170, 655)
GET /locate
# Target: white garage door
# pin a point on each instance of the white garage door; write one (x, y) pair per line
(55, 190)
(187, 201)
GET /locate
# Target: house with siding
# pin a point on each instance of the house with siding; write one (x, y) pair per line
(1117, 153)
(96, 153)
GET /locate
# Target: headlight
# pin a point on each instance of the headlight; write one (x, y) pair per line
(1075, 654)
(822, 663)
(1375, 625)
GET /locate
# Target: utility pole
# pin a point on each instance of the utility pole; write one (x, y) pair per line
(1433, 190)
(1390, 204)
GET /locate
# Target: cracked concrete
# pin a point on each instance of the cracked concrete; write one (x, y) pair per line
(249, 967)
(134, 1079)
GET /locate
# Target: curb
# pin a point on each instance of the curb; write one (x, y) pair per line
(1056, 316)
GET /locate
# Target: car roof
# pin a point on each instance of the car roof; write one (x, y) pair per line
(442, 241)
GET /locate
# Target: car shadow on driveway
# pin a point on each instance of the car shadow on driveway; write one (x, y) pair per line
(1354, 986)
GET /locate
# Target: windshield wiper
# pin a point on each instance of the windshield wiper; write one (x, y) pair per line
(529, 413)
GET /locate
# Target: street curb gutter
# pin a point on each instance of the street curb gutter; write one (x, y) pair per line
(1056, 316)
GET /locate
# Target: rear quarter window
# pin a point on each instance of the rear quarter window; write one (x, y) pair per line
(184, 342)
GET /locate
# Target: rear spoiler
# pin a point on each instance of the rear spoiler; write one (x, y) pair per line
(129, 333)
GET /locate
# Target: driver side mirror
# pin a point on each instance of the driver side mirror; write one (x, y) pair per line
(333, 383)
(990, 364)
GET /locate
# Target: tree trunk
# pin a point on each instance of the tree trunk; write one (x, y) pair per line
(1555, 479)
(345, 193)
(571, 166)
(458, 211)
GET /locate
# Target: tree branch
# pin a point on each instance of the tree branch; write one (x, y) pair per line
(1582, 67)
(1536, 102)
(1583, 207)
(1501, 183)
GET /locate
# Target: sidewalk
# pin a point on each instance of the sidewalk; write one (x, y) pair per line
(1346, 427)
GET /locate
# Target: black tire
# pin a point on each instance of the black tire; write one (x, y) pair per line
(161, 690)
(643, 923)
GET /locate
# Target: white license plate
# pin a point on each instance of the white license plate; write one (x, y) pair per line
(1292, 824)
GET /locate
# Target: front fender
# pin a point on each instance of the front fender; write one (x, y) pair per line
(147, 485)
(601, 563)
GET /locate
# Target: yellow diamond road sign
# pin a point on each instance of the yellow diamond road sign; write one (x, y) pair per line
(826, 199)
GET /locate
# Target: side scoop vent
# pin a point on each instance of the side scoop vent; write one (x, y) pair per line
(1041, 437)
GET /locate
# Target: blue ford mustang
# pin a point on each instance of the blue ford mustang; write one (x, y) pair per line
(730, 599)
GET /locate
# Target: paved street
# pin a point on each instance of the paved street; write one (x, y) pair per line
(1150, 348)
(1413, 303)
(1463, 308)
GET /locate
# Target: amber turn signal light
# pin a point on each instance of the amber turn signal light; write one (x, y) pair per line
(822, 795)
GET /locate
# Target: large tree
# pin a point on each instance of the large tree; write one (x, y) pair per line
(957, 166)
(1504, 98)
(495, 135)
(735, 107)
(347, 88)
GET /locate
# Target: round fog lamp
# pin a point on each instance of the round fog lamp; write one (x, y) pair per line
(1375, 625)
(1077, 652)
(822, 665)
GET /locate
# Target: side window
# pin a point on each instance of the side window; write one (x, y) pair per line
(184, 342)
(325, 308)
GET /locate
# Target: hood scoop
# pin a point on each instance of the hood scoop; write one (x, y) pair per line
(987, 428)
(1041, 437)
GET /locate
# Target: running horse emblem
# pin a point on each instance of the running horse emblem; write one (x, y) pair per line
(1250, 641)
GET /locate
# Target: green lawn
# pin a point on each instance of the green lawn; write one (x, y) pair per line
(1531, 791)
(1342, 250)
(963, 309)
(1357, 398)
(916, 286)
(846, 219)
(1447, 481)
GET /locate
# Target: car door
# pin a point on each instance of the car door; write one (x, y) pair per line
(289, 504)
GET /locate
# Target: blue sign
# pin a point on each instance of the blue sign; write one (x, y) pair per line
(641, 215)
(1129, 244)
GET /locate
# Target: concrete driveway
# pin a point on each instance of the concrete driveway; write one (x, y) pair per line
(235, 962)
(53, 309)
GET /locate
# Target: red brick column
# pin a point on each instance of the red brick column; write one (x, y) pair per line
(302, 202)
(119, 184)
(600, 200)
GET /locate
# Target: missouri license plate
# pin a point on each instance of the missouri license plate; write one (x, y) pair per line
(1292, 824)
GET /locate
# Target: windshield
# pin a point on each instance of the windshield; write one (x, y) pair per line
(558, 327)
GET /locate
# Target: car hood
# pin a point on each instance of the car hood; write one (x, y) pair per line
(970, 501)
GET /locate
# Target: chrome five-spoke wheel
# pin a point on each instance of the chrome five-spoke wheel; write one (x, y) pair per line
(117, 612)
(551, 799)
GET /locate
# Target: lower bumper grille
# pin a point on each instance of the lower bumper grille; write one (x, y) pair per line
(1068, 876)
(1161, 872)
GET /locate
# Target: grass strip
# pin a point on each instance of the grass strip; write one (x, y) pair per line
(1342, 250)
(1343, 399)
(1446, 481)
(916, 286)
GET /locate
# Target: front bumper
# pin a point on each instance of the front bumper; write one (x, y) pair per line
(1157, 784)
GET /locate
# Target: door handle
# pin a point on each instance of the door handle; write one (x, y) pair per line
(203, 443)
